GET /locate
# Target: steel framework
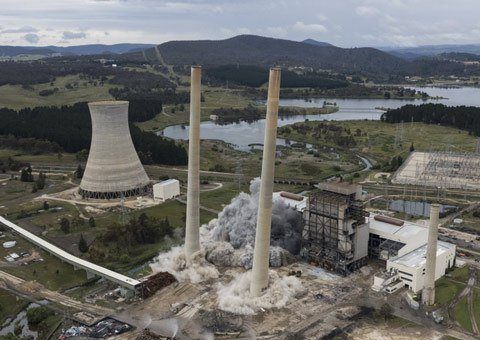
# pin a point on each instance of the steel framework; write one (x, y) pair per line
(329, 234)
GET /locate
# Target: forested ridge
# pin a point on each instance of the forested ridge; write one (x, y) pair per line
(462, 117)
(70, 128)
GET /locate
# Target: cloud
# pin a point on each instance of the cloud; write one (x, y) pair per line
(32, 38)
(366, 11)
(68, 35)
(300, 26)
(277, 31)
(23, 29)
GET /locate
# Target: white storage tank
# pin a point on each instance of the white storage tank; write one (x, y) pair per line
(166, 189)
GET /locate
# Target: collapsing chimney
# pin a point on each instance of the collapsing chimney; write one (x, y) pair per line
(192, 237)
(262, 237)
(428, 293)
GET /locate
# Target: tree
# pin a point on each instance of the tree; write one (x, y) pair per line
(65, 225)
(36, 315)
(26, 174)
(82, 244)
(91, 222)
(386, 311)
(40, 182)
(79, 172)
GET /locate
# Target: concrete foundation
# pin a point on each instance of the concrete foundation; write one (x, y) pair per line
(192, 237)
(262, 238)
(428, 293)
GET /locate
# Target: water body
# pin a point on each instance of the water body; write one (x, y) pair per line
(21, 320)
(242, 134)
(417, 208)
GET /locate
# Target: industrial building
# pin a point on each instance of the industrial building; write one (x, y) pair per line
(403, 245)
(440, 170)
(113, 168)
(166, 190)
(335, 235)
(339, 236)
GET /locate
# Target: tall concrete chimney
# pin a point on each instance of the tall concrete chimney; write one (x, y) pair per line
(192, 237)
(262, 238)
(428, 293)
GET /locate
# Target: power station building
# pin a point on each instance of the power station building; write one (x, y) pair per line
(339, 236)
(403, 245)
(335, 235)
(113, 168)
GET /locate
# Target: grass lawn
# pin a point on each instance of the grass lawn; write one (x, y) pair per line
(462, 316)
(52, 273)
(476, 304)
(10, 305)
(16, 97)
(214, 98)
(376, 139)
(446, 290)
(460, 274)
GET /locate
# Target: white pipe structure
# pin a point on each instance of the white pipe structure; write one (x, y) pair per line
(264, 219)
(192, 236)
(428, 293)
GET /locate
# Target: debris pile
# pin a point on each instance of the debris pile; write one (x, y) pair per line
(221, 322)
(149, 335)
(156, 282)
(101, 330)
(175, 263)
(236, 298)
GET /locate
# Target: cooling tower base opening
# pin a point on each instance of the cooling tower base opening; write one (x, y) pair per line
(142, 191)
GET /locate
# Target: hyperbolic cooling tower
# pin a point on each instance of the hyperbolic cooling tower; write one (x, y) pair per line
(113, 168)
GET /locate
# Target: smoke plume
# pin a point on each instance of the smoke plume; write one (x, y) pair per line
(230, 239)
(236, 298)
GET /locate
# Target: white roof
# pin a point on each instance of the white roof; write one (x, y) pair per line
(299, 205)
(76, 261)
(406, 233)
(416, 258)
(167, 182)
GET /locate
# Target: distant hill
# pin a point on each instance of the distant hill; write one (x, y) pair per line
(12, 51)
(410, 53)
(262, 51)
(316, 42)
(458, 56)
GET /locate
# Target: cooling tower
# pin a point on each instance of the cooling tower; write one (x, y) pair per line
(113, 168)
(264, 220)
(192, 233)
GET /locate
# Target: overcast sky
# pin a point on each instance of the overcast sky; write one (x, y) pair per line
(344, 23)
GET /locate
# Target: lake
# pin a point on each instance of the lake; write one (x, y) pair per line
(242, 134)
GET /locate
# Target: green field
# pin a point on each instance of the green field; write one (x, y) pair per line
(446, 290)
(52, 273)
(16, 97)
(462, 316)
(377, 139)
(214, 98)
(10, 305)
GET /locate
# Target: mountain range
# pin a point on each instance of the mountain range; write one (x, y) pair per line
(410, 53)
(13, 51)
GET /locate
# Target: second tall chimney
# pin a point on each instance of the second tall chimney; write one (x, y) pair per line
(264, 219)
(192, 233)
(428, 293)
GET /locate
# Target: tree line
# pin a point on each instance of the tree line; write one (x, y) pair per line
(462, 117)
(255, 76)
(70, 128)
